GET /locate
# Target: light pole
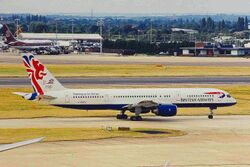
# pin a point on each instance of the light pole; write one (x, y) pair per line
(72, 29)
(138, 35)
(195, 49)
(56, 20)
(56, 30)
(100, 23)
(17, 26)
(151, 31)
(72, 26)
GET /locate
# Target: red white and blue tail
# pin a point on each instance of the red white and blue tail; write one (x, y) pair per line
(41, 79)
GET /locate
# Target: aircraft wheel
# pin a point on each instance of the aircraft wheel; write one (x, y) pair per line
(136, 118)
(122, 116)
(210, 116)
(125, 116)
(119, 116)
(139, 118)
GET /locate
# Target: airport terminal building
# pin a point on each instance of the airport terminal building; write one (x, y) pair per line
(209, 49)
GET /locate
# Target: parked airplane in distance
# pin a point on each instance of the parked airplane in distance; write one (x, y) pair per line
(161, 102)
(24, 44)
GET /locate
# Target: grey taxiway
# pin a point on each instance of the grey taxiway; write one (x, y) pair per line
(224, 141)
(134, 80)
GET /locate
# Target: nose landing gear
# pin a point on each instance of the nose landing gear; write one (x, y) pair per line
(211, 114)
(122, 115)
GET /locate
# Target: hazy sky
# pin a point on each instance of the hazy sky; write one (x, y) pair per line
(125, 6)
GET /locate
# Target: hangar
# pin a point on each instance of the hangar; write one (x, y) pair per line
(80, 42)
(60, 36)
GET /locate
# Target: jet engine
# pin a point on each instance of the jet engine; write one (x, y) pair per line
(166, 110)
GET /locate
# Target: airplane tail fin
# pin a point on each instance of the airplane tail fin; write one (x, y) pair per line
(8, 35)
(41, 79)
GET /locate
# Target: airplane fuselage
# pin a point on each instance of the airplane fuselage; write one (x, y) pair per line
(30, 43)
(116, 99)
(160, 101)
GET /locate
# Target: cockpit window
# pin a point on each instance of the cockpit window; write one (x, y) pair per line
(229, 96)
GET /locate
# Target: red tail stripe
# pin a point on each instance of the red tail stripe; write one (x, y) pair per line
(214, 93)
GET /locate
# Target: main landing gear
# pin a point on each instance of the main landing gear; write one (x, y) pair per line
(122, 115)
(125, 117)
(137, 117)
(211, 114)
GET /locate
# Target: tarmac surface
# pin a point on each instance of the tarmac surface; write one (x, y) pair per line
(222, 142)
(109, 59)
(9, 82)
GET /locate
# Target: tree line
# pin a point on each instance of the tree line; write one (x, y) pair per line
(126, 26)
(142, 34)
(145, 47)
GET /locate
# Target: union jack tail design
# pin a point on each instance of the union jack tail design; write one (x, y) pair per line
(41, 79)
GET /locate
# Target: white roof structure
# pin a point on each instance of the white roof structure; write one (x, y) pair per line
(185, 30)
(60, 36)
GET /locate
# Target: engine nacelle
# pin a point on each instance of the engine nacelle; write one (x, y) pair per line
(166, 110)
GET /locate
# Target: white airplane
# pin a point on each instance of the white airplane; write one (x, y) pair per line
(161, 102)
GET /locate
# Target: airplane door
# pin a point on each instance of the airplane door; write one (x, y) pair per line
(67, 98)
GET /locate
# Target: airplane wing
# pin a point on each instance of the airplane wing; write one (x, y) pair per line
(151, 106)
(19, 144)
(143, 104)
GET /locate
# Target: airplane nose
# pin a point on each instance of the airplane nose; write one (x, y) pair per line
(234, 101)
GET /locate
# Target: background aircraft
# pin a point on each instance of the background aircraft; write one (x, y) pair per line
(161, 102)
(24, 44)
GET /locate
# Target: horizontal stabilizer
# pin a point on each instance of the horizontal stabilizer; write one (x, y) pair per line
(33, 96)
(21, 93)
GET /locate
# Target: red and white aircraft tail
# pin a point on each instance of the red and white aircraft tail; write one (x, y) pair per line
(8, 35)
(41, 79)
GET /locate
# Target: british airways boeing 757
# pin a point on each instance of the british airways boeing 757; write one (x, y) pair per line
(162, 102)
